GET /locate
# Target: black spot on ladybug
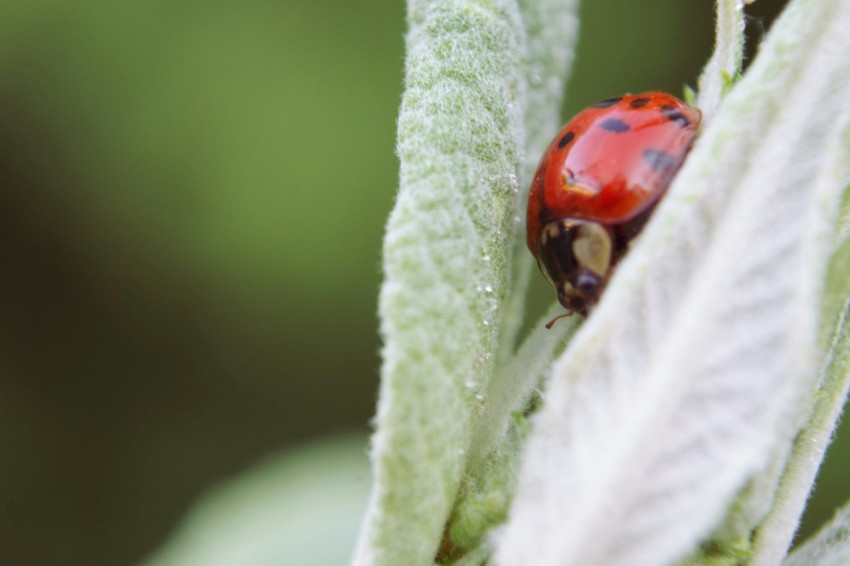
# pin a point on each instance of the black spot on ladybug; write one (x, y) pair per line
(568, 137)
(675, 115)
(639, 102)
(663, 162)
(614, 125)
(607, 102)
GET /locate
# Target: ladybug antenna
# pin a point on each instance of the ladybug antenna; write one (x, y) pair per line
(557, 318)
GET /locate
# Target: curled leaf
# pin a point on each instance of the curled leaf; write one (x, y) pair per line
(700, 363)
(447, 260)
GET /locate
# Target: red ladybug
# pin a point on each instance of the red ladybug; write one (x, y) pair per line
(598, 183)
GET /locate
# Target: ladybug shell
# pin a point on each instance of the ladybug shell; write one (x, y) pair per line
(611, 162)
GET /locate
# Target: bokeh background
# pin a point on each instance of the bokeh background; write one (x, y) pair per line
(192, 199)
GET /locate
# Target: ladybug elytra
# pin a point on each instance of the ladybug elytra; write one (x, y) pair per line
(597, 184)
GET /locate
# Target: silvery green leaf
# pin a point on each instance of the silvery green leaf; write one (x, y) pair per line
(496, 448)
(829, 547)
(448, 254)
(725, 63)
(551, 30)
(775, 534)
(283, 511)
(518, 379)
(700, 363)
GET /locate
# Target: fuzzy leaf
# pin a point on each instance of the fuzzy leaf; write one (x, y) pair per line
(282, 511)
(830, 547)
(447, 257)
(776, 533)
(496, 450)
(552, 31)
(696, 368)
(724, 67)
(516, 381)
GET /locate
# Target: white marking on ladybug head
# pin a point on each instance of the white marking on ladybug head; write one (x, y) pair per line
(592, 247)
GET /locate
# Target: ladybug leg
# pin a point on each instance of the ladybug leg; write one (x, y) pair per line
(557, 318)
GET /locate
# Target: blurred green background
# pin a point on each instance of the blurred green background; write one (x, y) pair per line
(192, 199)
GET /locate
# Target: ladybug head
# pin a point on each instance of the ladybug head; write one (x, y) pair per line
(576, 255)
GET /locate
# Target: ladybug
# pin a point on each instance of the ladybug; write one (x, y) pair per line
(597, 185)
